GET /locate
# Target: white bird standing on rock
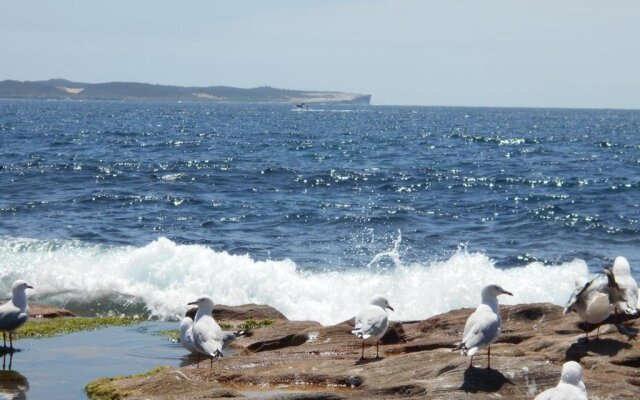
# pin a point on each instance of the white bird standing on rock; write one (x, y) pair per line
(206, 333)
(15, 312)
(186, 333)
(186, 337)
(591, 302)
(483, 326)
(372, 322)
(570, 386)
(623, 288)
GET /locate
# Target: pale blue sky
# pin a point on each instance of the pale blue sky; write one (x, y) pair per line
(555, 53)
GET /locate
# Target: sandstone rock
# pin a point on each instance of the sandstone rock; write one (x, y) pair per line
(46, 311)
(291, 360)
(243, 313)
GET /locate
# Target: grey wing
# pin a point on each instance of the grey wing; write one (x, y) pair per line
(228, 337)
(484, 331)
(11, 318)
(576, 297)
(208, 341)
(370, 322)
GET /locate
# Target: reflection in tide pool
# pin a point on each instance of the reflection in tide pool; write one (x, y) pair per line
(13, 385)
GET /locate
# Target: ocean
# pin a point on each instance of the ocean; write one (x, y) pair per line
(138, 207)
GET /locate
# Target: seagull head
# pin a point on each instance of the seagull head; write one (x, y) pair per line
(571, 373)
(203, 302)
(620, 267)
(494, 291)
(381, 302)
(20, 286)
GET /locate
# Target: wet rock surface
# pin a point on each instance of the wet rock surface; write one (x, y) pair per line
(304, 360)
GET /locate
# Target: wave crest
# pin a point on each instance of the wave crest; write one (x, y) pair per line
(165, 276)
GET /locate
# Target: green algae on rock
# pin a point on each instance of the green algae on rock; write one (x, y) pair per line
(59, 326)
(103, 388)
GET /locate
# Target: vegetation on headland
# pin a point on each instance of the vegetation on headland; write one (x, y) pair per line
(59, 326)
(104, 389)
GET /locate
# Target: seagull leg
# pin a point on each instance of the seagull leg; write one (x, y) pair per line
(471, 362)
(377, 345)
(4, 339)
(362, 355)
(11, 341)
(211, 363)
(489, 357)
(198, 360)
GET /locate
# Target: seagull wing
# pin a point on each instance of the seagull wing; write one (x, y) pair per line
(370, 321)
(482, 329)
(11, 317)
(207, 337)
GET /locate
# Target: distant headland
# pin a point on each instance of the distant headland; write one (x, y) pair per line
(64, 89)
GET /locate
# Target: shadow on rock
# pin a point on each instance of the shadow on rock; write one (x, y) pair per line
(364, 361)
(483, 380)
(629, 331)
(603, 347)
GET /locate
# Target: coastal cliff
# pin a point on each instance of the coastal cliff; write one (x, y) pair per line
(304, 360)
(64, 89)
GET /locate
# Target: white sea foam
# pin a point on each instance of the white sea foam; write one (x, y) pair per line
(166, 275)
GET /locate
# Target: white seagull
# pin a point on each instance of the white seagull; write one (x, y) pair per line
(483, 326)
(570, 386)
(186, 337)
(591, 302)
(186, 333)
(623, 288)
(15, 312)
(206, 333)
(372, 322)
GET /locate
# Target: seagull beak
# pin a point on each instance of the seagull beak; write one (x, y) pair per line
(192, 303)
(29, 287)
(390, 308)
(509, 293)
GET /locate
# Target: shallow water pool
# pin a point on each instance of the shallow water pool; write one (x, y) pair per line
(60, 367)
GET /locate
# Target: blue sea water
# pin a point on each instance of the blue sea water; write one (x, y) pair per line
(311, 210)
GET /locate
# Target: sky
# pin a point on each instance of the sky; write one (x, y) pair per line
(513, 53)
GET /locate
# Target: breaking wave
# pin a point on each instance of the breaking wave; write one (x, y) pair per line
(164, 276)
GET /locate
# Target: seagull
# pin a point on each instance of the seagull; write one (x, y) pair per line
(483, 326)
(186, 333)
(372, 321)
(15, 312)
(206, 333)
(591, 302)
(623, 289)
(570, 386)
(186, 338)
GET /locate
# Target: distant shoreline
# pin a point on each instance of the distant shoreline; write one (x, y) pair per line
(62, 89)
